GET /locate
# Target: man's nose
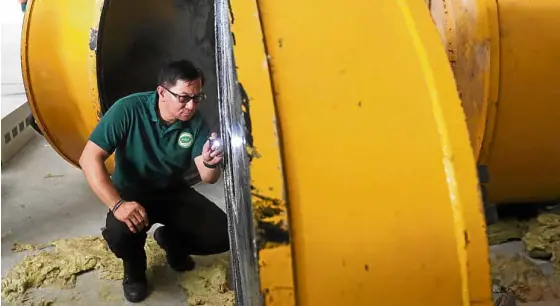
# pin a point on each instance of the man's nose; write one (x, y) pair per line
(190, 105)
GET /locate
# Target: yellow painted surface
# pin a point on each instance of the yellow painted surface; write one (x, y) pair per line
(379, 173)
(59, 72)
(253, 73)
(380, 176)
(275, 262)
(276, 276)
(505, 68)
(524, 155)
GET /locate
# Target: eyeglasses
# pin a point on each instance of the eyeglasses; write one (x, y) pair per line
(187, 98)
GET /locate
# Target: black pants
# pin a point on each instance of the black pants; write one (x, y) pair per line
(193, 225)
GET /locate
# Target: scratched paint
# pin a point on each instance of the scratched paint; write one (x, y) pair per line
(499, 65)
(272, 221)
(467, 43)
(93, 39)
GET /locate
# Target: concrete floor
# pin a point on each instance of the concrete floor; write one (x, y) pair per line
(516, 247)
(43, 199)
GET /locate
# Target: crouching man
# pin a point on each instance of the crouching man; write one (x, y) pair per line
(156, 136)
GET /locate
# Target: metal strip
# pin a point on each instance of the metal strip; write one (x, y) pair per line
(236, 166)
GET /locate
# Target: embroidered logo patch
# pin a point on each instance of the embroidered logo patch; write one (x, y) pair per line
(185, 140)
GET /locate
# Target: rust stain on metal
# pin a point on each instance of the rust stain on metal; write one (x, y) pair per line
(272, 224)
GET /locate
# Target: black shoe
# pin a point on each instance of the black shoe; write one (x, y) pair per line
(135, 284)
(179, 263)
(135, 290)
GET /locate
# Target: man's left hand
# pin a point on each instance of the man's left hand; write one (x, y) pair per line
(212, 157)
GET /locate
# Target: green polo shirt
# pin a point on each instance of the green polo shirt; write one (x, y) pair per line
(149, 155)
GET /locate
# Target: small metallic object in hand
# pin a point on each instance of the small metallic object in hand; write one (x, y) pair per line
(215, 143)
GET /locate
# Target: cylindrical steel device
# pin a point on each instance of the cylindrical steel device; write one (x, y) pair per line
(79, 57)
(334, 219)
(504, 57)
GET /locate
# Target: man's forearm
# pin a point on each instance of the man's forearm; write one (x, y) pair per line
(100, 182)
(209, 175)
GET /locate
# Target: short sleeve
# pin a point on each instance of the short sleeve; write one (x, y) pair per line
(112, 128)
(200, 139)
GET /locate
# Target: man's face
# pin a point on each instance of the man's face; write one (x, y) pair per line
(181, 100)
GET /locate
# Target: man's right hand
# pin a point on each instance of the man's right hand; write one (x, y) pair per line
(133, 214)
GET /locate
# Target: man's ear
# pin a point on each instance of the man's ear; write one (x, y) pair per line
(160, 91)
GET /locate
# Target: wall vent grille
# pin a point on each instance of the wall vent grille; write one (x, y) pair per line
(17, 130)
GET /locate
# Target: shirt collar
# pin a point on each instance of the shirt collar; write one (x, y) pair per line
(153, 105)
(154, 116)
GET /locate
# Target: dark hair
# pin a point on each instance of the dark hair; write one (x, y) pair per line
(179, 70)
